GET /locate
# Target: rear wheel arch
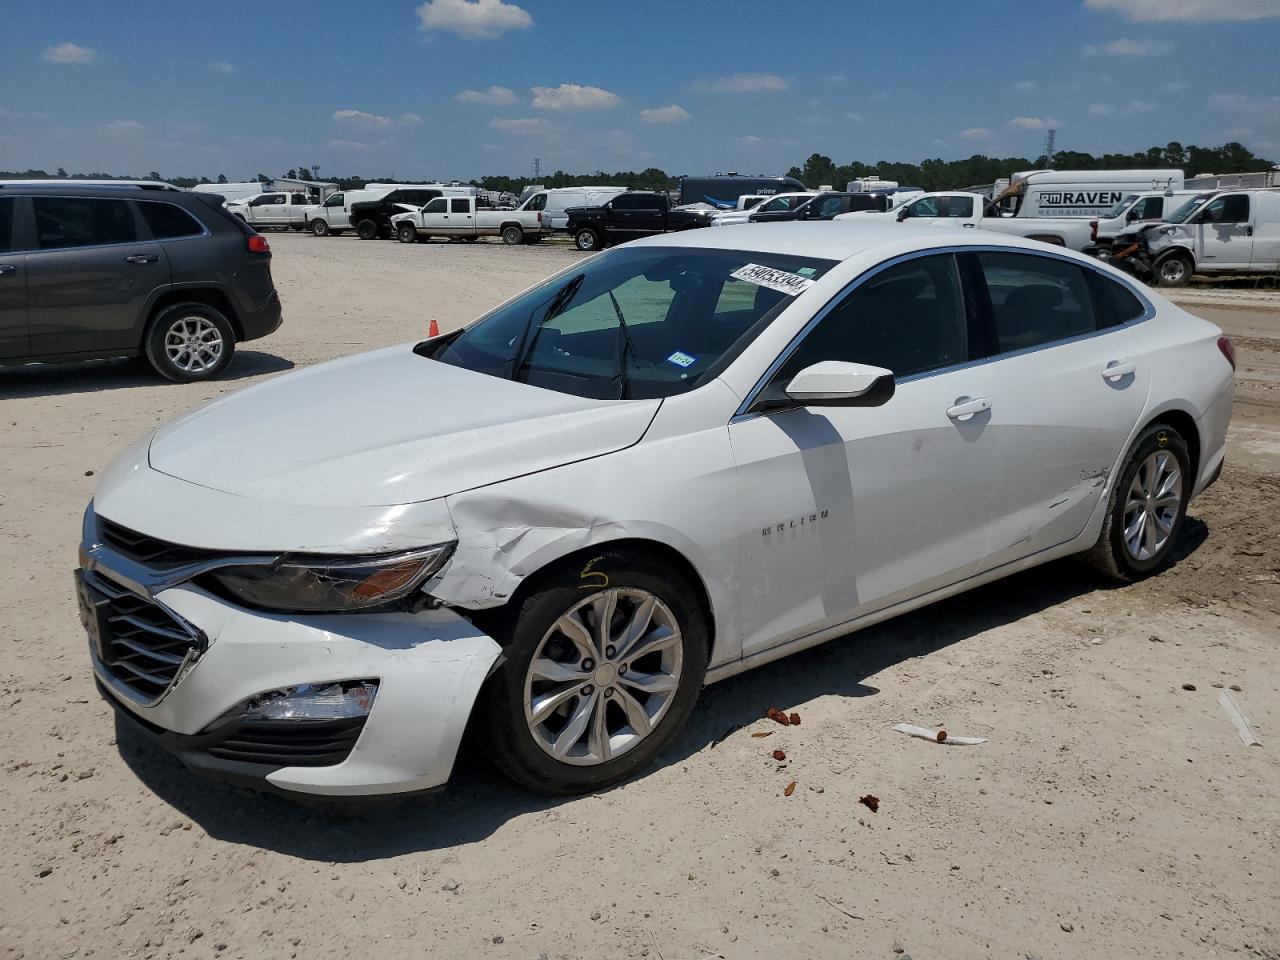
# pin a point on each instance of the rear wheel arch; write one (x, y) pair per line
(209, 296)
(1185, 424)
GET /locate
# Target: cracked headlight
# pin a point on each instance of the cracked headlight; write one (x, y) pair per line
(311, 584)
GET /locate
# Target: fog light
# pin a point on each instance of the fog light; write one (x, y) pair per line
(339, 700)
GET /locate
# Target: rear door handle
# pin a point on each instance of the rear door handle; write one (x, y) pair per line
(7, 268)
(1117, 369)
(964, 409)
(142, 258)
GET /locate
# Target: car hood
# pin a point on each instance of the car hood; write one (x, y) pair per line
(387, 428)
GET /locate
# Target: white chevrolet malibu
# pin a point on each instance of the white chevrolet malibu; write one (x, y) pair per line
(682, 458)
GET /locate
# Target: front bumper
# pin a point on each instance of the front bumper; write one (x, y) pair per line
(429, 667)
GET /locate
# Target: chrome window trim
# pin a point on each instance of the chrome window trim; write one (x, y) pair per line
(744, 413)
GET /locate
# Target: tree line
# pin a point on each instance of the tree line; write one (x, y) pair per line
(817, 170)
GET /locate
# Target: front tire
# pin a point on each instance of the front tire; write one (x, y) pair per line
(603, 664)
(512, 235)
(320, 228)
(406, 233)
(1174, 270)
(587, 239)
(188, 342)
(1146, 507)
(367, 230)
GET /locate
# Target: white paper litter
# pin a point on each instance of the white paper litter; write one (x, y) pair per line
(924, 733)
(1237, 720)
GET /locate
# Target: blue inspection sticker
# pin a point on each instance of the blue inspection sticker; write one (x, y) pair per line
(681, 359)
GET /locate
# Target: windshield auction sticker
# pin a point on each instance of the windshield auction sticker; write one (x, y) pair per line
(791, 284)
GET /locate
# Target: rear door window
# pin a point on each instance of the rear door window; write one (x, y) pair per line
(63, 222)
(459, 205)
(169, 221)
(6, 224)
(1036, 299)
(957, 206)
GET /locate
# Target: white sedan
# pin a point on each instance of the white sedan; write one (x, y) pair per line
(679, 459)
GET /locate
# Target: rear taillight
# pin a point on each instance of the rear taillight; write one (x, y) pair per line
(257, 243)
(1093, 229)
(1228, 350)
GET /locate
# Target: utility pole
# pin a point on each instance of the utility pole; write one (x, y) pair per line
(537, 168)
(315, 171)
(1049, 139)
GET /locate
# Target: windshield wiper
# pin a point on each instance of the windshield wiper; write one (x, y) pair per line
(554, 308)
(624, 344)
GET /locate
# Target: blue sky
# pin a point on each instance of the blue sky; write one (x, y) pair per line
(461, 88)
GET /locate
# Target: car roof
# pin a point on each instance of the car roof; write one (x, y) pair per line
(832, 240)
(71, 188)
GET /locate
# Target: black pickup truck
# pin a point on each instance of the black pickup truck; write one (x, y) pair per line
(825, 206)
(628, 216)
(372, 218)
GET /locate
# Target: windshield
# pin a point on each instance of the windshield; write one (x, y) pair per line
(636, 322)
(1183, 213)
(1120, 207)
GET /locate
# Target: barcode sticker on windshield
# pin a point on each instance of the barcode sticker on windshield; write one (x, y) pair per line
(789, 283)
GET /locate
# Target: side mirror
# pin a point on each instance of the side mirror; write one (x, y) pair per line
(830, 383)
(903, 214)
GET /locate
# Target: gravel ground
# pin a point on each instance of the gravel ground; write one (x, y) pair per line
(1112, 813)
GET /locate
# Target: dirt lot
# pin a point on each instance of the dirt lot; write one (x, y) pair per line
(1111, 814)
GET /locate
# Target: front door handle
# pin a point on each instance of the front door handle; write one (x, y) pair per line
(142, 258)
(965, 408)
(7, 268)
(1117, 369)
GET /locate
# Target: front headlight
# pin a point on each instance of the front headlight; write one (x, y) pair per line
(310, 584)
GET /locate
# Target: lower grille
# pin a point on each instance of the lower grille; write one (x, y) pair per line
(289, 743)
(144, 645)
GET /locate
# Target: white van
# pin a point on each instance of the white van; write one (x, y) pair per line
(1133, 211)
(1080, 193)
(1237, 231)
(231, 192)
(553, 203)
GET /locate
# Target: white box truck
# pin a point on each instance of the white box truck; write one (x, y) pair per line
(1079, 193)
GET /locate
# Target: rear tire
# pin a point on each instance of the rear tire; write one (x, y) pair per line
(512, 235)
(367, 230)
(640, 701)
(587, 239)
(1146, 507)
(187, 342)
(406, 233)
(1174, 270)
(320, 228)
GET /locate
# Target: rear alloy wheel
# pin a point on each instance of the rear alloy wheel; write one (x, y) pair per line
(512, 235)
(320, 228)
(367, 230)
(189, 342)
(1174, 271)
(586, 239)
(406, 233)
(597, 680)
(1146, 507)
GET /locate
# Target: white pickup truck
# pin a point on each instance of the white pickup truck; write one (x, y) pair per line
(458, 217)
(272, 210)
(976, 211)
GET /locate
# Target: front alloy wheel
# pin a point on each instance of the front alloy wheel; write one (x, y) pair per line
(603, 661)
(603, 676)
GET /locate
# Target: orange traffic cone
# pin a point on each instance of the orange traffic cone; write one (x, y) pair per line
(434, 329)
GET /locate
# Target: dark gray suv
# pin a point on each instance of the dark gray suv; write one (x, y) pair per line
(107, 271)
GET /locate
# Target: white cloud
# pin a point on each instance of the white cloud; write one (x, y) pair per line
(1175, 86)
(348, 146)
(1124, 47)
(410, 119)
(1101, 109)
(473, 18)
(854, 117)
(670, 114)
(123, 129)
(1239, 103)
(69, 53)
(1142, 106)
(221, 66)
(976, 133)
(752, 142)
(745, 83)
(1026, 86)
(359, 118)
(1035, 123)
(522, 126)
(1189, 10)
(573, 96)
(495, 96)
(837, 78)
